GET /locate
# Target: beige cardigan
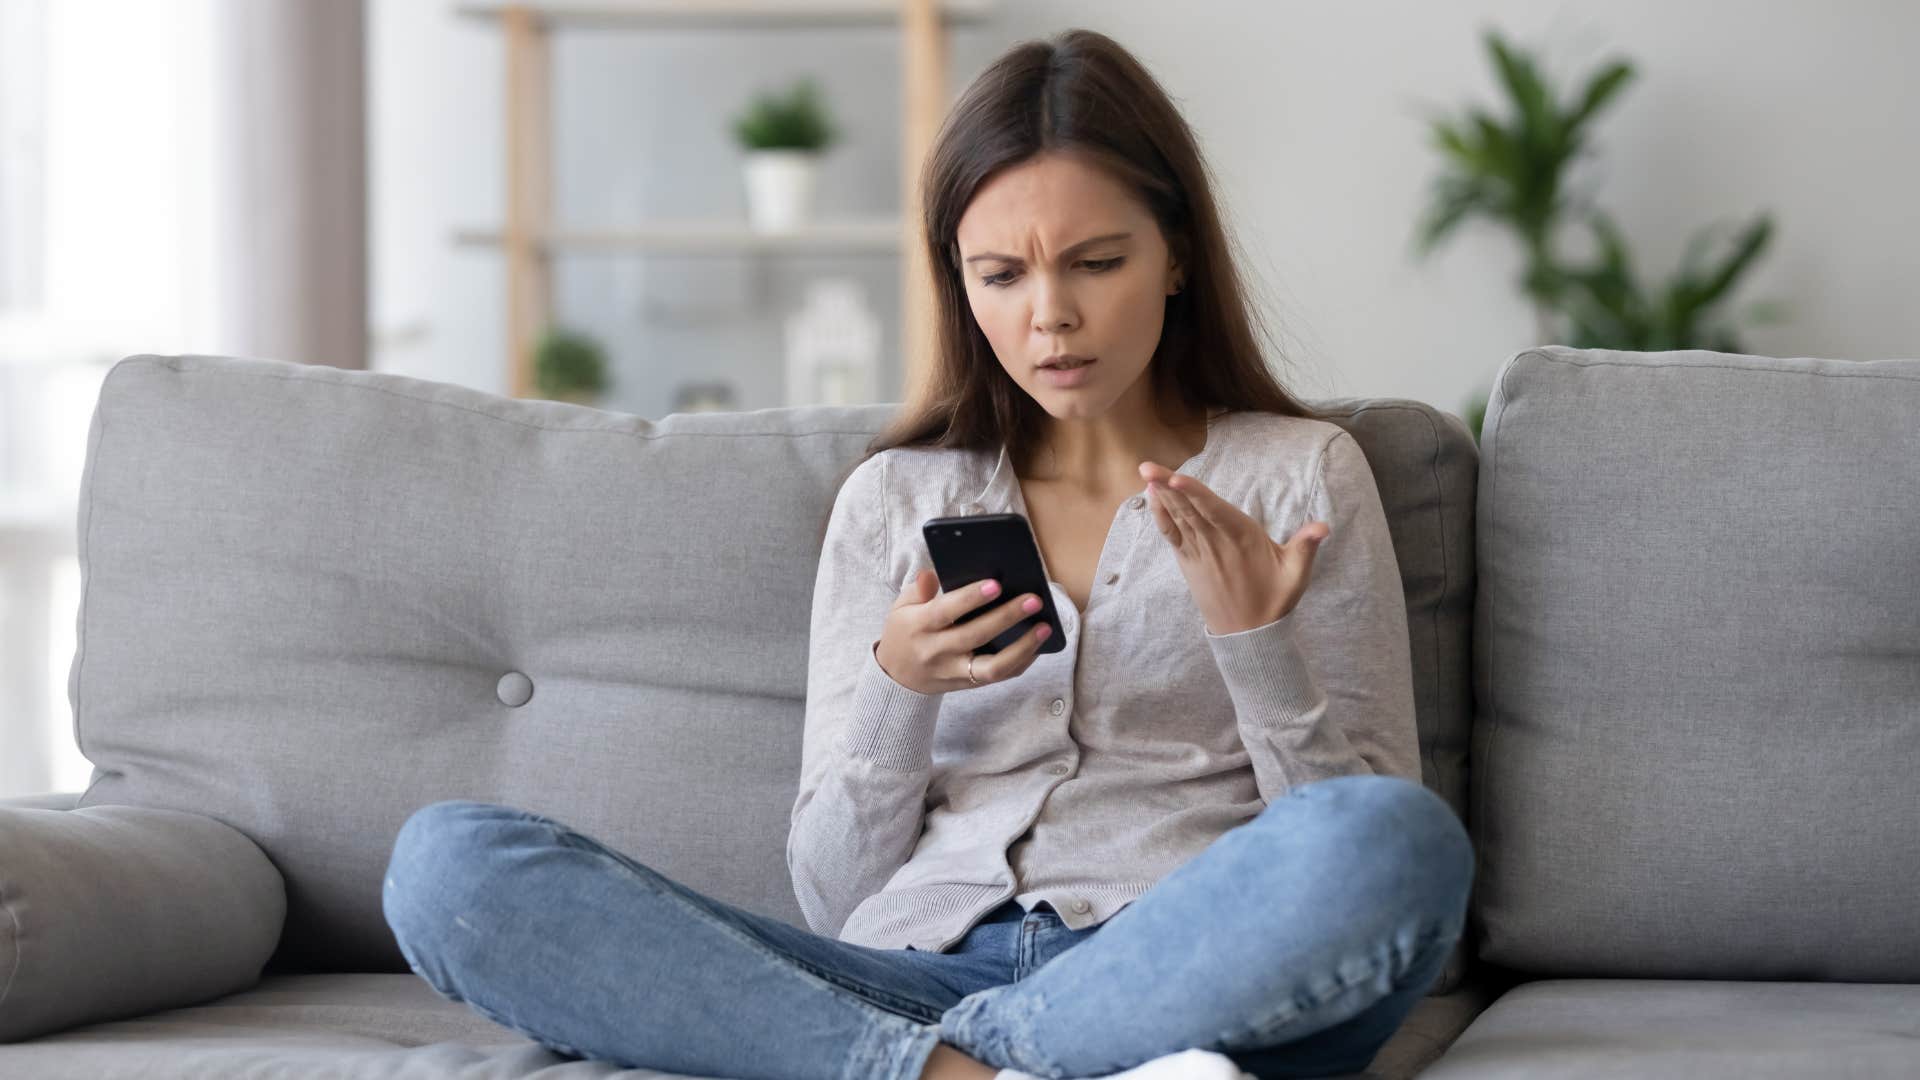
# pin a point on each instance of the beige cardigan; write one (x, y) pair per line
(1102, 767)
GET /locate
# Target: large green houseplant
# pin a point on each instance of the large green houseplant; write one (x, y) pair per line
(1514, 171)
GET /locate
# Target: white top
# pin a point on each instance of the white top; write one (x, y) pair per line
(1102, 767)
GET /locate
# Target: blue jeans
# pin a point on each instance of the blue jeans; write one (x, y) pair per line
(1295, 944)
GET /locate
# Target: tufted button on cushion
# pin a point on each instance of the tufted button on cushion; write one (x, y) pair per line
(515, 689)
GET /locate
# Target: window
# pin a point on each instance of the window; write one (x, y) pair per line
(107, 192)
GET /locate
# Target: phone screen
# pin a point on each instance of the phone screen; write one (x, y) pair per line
(998, 546)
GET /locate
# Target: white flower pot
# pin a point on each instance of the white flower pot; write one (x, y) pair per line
(780, 187)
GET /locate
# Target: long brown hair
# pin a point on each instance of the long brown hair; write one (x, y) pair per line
(1079, 92)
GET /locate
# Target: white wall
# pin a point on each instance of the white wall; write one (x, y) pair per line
(1312, 115)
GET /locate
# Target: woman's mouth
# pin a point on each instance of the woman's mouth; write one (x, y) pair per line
(1068, 372)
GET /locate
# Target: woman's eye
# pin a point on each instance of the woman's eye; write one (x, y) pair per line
(1005, 277)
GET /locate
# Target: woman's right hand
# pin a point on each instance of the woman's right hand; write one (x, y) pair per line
(922, 648)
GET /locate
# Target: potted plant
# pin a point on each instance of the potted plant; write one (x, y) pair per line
(784, 137)
(569, 366)
(1514, 171)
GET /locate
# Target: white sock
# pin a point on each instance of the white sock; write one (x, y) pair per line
(1185, 1065)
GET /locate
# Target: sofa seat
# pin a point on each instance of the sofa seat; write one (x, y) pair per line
(391, 1026)
(394, 1027)
(1699, 1029)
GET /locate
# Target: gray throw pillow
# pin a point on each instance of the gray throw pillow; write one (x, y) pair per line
(109, 912)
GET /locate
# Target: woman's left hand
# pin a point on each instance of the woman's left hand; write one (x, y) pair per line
(1239, 576)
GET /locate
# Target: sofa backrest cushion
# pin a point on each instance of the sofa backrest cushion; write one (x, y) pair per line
(1426, 464)
(315, 600)
(1697, 667)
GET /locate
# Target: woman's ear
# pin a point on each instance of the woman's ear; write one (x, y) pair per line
(1179, 278)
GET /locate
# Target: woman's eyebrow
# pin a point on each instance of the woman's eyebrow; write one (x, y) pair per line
(1089, 242)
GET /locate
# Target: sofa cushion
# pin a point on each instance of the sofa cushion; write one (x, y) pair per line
(334, 1025)
(1426, 465)
(355, 1025)
(315, 600)
(112, 911)
(1700, 1030)
(1697, 666)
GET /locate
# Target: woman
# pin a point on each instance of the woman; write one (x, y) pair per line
(1192, 841)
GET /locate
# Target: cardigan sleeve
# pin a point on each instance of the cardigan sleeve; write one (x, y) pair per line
(1327, 689)
(866, 750)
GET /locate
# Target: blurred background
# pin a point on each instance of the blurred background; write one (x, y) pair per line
(655, 206)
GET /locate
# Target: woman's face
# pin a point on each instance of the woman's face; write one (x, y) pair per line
(1060, 258)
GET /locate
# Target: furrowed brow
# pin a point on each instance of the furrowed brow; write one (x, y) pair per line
(1087, 243)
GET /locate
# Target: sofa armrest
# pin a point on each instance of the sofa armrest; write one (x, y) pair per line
(54, 800)
(108, 912)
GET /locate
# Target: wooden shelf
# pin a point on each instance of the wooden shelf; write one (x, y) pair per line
(727, 13)
(527, 239)
(718, 236)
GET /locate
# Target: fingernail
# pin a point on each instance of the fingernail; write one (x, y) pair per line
(1032, 605)
(1043, 632)
(991, 588)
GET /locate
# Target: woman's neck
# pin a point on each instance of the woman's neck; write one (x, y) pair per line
(1102, 457)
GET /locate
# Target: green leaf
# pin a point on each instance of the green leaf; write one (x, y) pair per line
(1498, 153)
(1746, 248)
(796, 121)
(1603, 88)
(1454, 200)
(1613, 253)
(568, 362)
(1539, 124)
(1449, 138)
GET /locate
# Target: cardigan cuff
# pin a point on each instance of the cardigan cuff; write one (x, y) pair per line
(892, 726)
(1267, 675)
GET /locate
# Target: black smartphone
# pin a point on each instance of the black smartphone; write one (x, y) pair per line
(998, 546)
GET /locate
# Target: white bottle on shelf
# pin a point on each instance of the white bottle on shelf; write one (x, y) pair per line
(833, 347)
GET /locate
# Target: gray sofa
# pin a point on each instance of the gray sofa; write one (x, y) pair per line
(1665, 625)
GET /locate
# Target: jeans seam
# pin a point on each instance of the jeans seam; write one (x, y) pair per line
(1264, 1027)
(865, 994)
(1013, 1040)
(890, 1056)
(1028, 949)
(1009, 1042)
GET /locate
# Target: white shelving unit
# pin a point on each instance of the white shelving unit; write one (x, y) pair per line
(528, 243)
(720, 236)
(759, 13)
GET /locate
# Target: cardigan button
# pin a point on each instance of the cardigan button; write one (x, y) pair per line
(1137, 501)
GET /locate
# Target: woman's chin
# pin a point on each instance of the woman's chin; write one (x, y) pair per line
(1072, 405)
